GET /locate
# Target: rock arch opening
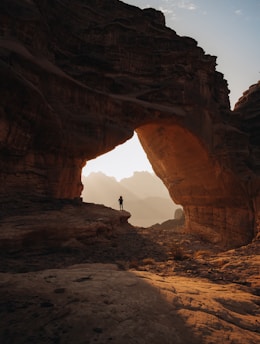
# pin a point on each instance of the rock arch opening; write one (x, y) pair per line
(126, 171)
(122, 161)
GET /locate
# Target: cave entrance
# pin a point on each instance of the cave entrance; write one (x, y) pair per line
(126, 171)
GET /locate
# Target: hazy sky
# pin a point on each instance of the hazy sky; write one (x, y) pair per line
(228, 29)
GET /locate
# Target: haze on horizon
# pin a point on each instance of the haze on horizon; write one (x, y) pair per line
(226, 29)
(122, 162)
(145, 196)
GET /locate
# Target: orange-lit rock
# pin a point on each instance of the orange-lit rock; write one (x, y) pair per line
(80, 77)
(213, 200)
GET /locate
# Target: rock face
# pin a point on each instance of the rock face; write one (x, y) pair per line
(80, 77)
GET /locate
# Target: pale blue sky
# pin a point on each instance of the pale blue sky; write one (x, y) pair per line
(228, 29)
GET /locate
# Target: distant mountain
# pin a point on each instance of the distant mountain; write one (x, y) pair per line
(146, 184)
(145, 196)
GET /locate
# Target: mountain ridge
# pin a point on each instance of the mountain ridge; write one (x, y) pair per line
(145, 196)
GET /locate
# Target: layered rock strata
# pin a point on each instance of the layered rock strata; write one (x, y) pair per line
(79, 77)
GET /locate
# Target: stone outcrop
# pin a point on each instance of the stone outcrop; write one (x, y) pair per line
(61, 224)
(80, 77)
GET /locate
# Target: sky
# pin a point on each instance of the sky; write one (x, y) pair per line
(228, 29)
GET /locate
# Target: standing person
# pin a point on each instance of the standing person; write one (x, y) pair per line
(120, 200)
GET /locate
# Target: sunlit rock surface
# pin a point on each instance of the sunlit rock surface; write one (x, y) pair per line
(80, 77)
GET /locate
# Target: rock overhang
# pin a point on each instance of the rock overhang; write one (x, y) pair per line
(80, 78)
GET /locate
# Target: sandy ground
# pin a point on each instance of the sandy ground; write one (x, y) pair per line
(134, 286)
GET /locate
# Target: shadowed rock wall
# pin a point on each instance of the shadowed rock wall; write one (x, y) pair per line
(80, 77)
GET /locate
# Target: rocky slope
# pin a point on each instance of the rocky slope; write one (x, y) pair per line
(81, 76)
(129, 285)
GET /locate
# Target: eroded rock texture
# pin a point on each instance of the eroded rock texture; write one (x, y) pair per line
(78, 77)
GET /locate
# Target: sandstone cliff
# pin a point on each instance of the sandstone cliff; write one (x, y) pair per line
(79, 77)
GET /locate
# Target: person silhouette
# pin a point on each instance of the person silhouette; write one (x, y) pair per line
(120, 200)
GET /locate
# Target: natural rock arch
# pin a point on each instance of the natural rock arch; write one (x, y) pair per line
(81, 77)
